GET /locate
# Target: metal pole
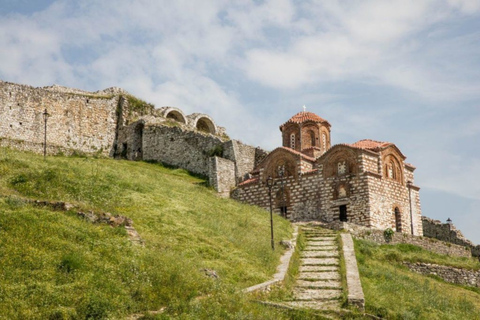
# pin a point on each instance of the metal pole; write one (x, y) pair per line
(270, 184)
(409, 185)
(45, 117)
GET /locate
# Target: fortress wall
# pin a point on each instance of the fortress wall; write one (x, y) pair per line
(78, 120)
(221, 174)
(179, 147)
(243, 155)
(448, 233)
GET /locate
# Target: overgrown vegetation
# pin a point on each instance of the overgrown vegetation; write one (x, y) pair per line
(58, 266)
(138, 105)
(393, 292)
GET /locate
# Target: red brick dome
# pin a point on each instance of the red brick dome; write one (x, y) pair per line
(305, 116)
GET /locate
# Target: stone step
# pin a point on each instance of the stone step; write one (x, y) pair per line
(323, 284)
(325, 275)
(321, 243)
(319, 254)
(315, 305)
(320, 234)
(317, 238)
(320, 261)
(302, 294)
(317, 268)
(320, 248)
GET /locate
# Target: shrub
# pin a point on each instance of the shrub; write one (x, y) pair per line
(388, 234)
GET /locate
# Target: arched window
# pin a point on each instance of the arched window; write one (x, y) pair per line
(342, 167)
(312, 138)
(292, 141)
(398, 220)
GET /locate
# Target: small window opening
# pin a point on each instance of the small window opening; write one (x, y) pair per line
(312, 138)
(343, 213)
(398, 220)
(283, 211)
(292, 141)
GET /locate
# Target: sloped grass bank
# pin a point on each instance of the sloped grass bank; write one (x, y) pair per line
(393, 292)
(55, 265)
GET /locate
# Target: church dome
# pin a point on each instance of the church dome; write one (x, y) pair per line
(305, 116)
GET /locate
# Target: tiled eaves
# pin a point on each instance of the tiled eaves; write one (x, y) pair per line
(249, 181)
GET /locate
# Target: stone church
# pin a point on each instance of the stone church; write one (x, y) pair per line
(366, 183)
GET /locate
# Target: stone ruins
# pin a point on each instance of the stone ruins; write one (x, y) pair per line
(367, 183)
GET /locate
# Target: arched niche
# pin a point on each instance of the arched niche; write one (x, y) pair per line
(202, 123)
(175, 115)
(205, 125)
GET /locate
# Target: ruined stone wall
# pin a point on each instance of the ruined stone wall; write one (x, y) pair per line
(179, 147)
(459, 276)
(221, 174)
(78, 120)
(243, 155)
(430, 244)
(448, 233)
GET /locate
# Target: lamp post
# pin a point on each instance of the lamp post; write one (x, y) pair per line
(270, 185)
(45, 118)
(409, 185)
(283, 204)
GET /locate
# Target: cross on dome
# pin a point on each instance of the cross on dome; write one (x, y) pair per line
(304, 108)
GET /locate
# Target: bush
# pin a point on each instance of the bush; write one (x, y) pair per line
(388, 234)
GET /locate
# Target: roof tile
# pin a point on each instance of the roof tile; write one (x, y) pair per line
(305, 116)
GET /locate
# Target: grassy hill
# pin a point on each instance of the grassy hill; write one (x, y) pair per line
(392, 291)
(57, 265)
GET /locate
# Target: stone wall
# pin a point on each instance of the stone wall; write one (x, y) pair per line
(179, 147)
(448, 233)
(459, 276)
(78, 120)
(430, 244)
(221, 174)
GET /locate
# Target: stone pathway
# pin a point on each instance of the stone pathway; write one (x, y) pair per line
(318, 285)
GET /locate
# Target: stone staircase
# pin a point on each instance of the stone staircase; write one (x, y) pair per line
(319, 284)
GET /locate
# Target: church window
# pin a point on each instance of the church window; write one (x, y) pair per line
(342, 193)
(324, 141)
(342, 167)
(292, 141)
(398, 220)
(312, 138)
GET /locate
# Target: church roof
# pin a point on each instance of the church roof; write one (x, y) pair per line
(303, 117)
(375, 146)
(370, 144)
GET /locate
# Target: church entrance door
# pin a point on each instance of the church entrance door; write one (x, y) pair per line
(343, 213)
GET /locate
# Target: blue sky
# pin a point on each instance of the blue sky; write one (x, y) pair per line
(400, 71)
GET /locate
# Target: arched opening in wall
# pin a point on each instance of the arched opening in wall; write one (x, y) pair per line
(282, 199)
(343, 213)
(177, 116)
(398, 220)
(205, 125)
(311, 135)
(137, 143)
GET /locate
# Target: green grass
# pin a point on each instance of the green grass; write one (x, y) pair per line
(54, 265)
(393, 292)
